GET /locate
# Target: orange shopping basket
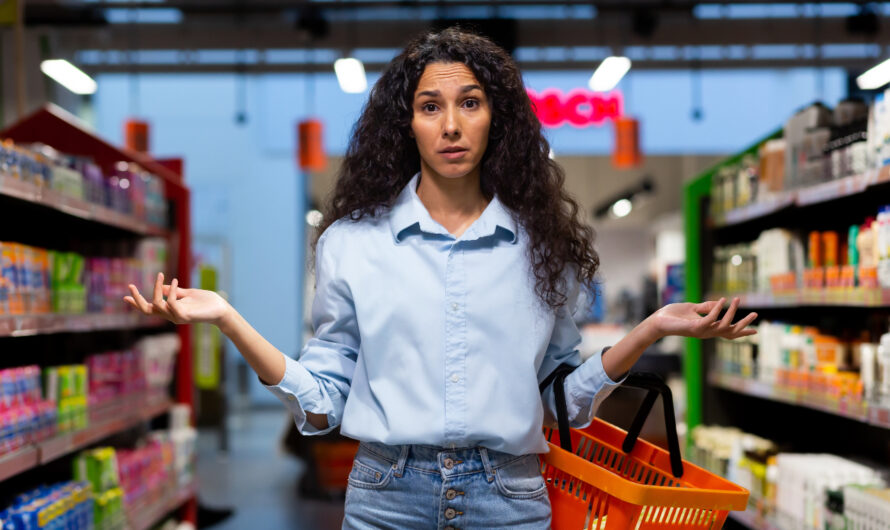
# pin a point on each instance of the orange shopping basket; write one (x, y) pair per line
(603, 478)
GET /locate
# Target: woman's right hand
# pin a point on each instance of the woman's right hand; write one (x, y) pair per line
(182, 306)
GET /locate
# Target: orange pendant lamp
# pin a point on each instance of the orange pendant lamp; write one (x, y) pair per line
(627, 153)
(310, 147)
(136, 135)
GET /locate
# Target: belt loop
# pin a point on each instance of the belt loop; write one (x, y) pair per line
(486, 463)
(403, 457)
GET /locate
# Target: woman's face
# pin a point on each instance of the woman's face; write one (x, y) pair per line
(451, 120)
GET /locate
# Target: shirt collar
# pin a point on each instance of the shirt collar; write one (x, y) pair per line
(408, 211)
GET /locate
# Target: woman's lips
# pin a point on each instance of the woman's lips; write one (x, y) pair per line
(451, 155)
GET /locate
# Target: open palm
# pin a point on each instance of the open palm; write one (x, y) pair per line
(181, 306)
(700, 320)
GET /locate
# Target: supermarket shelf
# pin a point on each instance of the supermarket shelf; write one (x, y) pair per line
(754, 520)
(119, 417)
(18, 461)
(143, 517)
(816, 194)
(841, 297)
(877, 414)
(765, 518)
(26, 191)
(27, 325)
(756, 210)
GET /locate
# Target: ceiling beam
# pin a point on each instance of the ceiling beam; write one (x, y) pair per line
(243, 5)
(253, 69)
(672, 31)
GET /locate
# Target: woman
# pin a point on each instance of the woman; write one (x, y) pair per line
(447, 268)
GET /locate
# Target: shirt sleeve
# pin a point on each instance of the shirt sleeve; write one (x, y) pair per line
(319, 381)
(588, 385)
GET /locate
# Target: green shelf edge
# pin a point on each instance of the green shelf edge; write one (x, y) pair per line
(694, 191)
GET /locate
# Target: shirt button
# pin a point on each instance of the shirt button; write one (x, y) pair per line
(454, 306)
(450, 494)
(455, 378)
(448, 463)
(450, 513)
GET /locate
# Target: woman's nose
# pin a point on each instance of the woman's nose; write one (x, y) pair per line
(452, 123)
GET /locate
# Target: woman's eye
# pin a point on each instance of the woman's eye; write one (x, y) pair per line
(429, 107)
(472, 103)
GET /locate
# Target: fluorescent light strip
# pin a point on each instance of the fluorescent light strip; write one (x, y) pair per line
(609, 73)
(875, 77)
(351, 75)
(69, 76)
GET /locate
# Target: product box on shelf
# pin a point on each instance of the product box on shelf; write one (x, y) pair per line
(67, 505)
(37, 281)
(147, 369)
(25, 417)
(130, 190)
(793, 490)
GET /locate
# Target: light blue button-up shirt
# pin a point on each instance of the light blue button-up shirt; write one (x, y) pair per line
(425, 338)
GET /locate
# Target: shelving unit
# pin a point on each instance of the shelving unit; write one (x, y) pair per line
(146, 515)
(809, 196)
(851, 297)
(718, 398)
(28, 325)
(113, 422)
(872, 413)
(59, 129)
(48, 198)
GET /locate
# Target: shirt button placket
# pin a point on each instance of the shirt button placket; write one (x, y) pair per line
(455, 346)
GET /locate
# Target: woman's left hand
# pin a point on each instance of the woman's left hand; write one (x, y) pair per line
(700, 320)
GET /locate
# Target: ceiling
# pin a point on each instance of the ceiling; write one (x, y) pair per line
(259, 36)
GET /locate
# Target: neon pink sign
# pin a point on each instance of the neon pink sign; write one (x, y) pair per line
(580, 107)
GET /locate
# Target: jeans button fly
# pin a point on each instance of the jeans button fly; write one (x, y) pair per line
(448, 463)
(450, 513)
(450, 495)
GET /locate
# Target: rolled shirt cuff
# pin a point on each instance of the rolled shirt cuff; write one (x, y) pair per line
(586, 388)
(298, 391)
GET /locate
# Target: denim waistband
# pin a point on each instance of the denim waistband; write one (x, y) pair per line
(435, 459)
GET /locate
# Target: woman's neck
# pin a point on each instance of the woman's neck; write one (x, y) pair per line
(454, 203)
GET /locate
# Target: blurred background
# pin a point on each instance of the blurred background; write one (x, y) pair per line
(731, 148)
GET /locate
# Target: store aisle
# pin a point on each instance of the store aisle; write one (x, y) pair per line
(257, 479)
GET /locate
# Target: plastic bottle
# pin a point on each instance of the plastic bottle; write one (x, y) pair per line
(881, 243)
(867, 359)
(884, 363)
(865, 243)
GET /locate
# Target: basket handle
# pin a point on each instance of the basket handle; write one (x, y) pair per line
(655, 385)
(647, 381)
(558, 378)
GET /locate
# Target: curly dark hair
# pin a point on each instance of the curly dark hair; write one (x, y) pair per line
(382, 157)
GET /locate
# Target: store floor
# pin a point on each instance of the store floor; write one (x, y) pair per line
(257, 479)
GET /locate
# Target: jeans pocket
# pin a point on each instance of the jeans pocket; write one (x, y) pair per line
(521, 478)
(370, 471)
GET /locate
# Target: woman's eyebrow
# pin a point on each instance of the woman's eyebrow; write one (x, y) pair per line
(436, 93)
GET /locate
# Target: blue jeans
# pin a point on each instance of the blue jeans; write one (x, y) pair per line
(420, 486)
